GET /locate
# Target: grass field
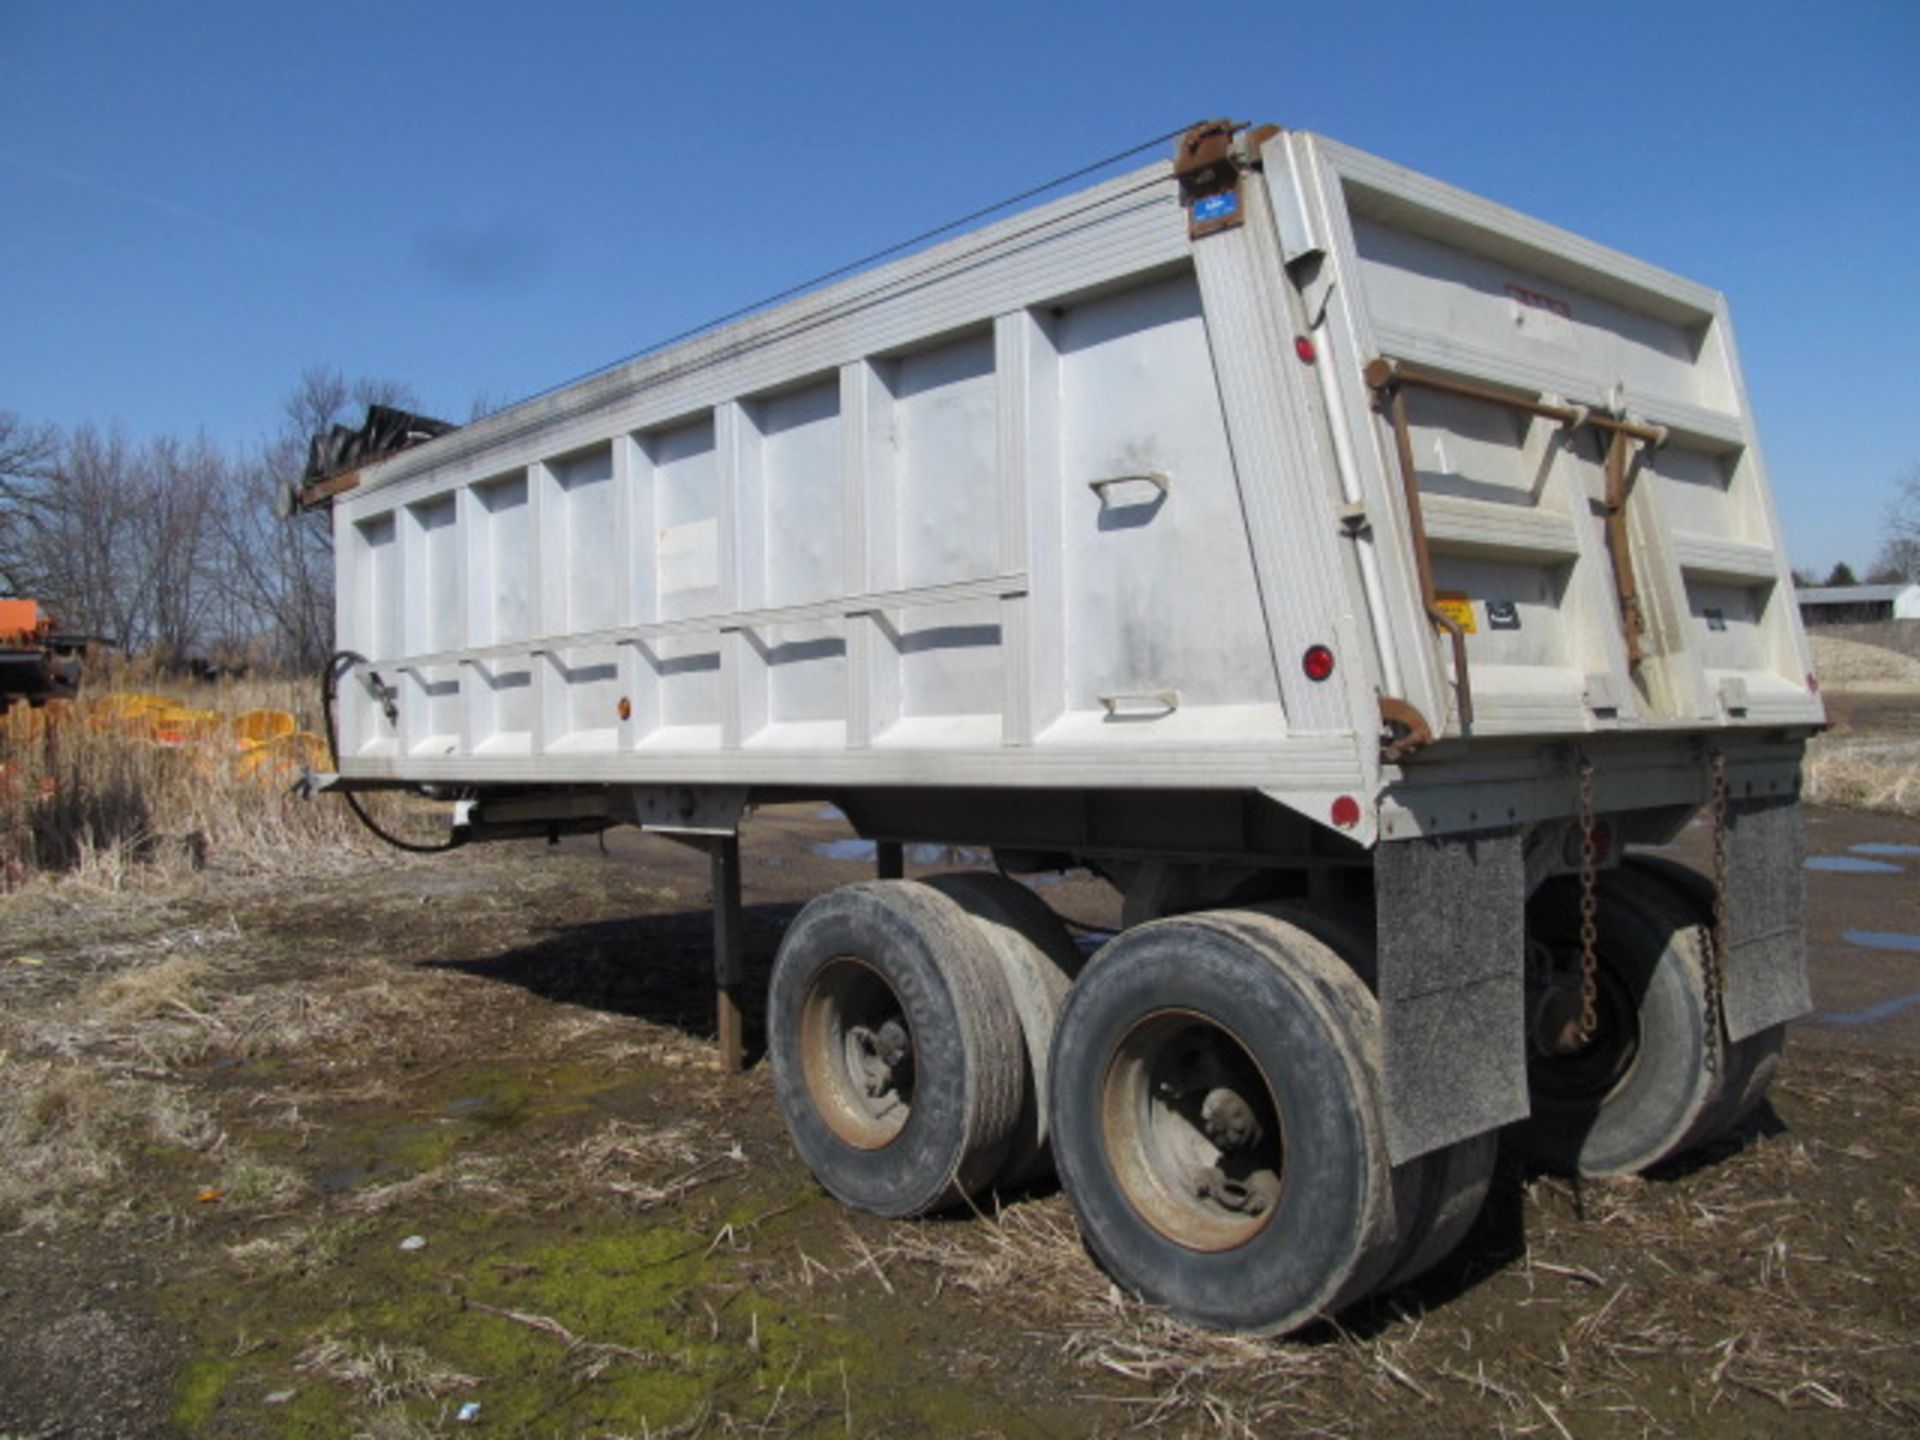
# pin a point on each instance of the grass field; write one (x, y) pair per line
(138, 783)
(247, 1060)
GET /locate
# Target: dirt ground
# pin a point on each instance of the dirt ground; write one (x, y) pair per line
(346, 1156)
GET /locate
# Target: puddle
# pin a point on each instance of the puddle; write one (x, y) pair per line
(489, 1101)
(347, 1177)
(1873, 1014)
(395, 1152)
(1852, 865)
(490, 1108)
(1884, 847)
(854, 848)
(1882, 940)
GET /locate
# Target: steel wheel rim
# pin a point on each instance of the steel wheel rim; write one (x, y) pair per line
(856, 1053)
(1585, 1077)
(1192, 1131)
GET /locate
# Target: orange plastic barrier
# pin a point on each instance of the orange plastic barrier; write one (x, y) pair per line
(259, 726)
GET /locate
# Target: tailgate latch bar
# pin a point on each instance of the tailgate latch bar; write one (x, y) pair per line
(1389, 378)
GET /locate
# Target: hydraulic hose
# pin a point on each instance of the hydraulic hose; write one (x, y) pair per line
(337, 664)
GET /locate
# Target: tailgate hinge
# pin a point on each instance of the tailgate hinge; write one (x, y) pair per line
(1208, 163)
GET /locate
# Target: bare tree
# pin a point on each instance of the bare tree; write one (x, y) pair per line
(1899, 557)
(26, 454)
(275, 571)
(113, 536)
(176, 547)
(74, 523)
(179, 489)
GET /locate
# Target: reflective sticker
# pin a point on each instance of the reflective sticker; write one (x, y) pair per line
(1458, 608)
(1503, 615)
(1215, 207)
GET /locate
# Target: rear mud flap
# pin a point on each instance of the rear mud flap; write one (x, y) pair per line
(1452, 987)
(1765, 975)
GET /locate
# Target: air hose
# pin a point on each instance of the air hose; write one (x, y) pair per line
(337, 665)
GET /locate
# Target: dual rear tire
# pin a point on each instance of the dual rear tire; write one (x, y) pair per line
(907, 1031)
(1208, 1087)
(1658, 1077)
(1217, 1128)
(1208, 1095)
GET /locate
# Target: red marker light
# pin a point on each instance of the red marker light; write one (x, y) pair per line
(1317, 662)
(1346, 812)
(1303, 347)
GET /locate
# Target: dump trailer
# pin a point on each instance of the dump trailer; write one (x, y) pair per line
(1351, 570)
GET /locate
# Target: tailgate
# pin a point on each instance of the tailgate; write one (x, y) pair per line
(1558, 469)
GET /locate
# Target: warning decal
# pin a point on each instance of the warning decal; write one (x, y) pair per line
(1457, 608)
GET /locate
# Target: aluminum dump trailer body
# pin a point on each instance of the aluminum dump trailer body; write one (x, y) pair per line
(1345, 566)
(1069, 501)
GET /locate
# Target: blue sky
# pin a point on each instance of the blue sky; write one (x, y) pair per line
(199, 201)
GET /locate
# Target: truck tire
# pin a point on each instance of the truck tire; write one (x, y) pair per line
(895, 1048)
(1649, 1081)
(1454, 1188)
(1216, 1124)
(1038, 961)
(1750, 1062)
(1440, 1194)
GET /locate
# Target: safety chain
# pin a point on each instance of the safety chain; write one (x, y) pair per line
(1589, 906)
(1717, 950)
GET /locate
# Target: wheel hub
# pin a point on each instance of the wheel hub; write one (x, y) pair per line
(881, 1059)
(1569, 1067)
(856, 1053)
(1556, 1020)
(1193, 1131)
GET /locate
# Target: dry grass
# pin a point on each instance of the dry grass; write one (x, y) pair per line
(116, 792)
(1604, 1323)
(1865, 772)
(93, 1054)
(297, 1253)
(69, 1129)
(380, 1374)
(1844, 664)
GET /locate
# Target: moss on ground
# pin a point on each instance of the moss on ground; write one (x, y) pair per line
(616, 1326)
(201, 1382)
(596, 1320)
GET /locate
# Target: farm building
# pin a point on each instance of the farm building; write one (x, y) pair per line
(1859, 604)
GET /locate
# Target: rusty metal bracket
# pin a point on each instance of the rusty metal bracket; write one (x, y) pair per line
(1208, 163)
(1633, 621)
(1389, 378)
(319, 494)
(1385, 381)
(1387, 371)
(1404, 729)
